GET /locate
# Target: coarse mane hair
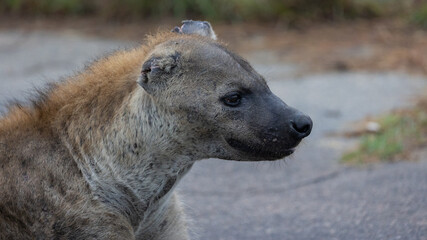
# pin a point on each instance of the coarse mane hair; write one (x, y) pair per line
(106, 81)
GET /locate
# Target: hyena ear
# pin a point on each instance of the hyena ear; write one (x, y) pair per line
(156, 72)
(202, 28)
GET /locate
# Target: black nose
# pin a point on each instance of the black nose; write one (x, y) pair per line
(302, 125)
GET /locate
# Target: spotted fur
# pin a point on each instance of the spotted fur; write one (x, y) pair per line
(99, 154)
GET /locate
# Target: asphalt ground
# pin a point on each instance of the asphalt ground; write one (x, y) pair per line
(308, 196)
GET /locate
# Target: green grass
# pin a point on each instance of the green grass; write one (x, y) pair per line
(419, 16)
(46, 7)
(224, 10)
(290, 11)
(400, 134)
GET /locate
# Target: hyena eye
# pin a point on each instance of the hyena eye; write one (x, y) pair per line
(232, 99)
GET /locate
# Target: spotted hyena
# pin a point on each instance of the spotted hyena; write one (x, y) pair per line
(98, 155)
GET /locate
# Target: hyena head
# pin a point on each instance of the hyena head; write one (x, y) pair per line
(223, 105)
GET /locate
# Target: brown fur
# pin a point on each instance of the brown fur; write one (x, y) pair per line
(43, 192)
(98, 156)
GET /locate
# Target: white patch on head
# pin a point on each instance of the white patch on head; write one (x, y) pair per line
(202, 28)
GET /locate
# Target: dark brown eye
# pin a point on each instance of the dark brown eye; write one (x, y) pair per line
(232, 99)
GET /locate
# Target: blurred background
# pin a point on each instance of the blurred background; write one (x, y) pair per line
(357, 67)
(286, 11)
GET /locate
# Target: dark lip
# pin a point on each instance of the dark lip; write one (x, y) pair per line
(259, 151)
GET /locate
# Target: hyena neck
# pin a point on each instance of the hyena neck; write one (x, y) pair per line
(135, 158)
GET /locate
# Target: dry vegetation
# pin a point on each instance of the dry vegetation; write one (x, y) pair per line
(401, 134)
(361, 45)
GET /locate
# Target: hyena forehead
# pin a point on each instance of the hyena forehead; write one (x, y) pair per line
(201, 58)
(205, 52)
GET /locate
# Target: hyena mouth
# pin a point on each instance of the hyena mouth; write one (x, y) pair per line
(262, 151)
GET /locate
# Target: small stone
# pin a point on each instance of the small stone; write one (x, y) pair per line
(373, 127)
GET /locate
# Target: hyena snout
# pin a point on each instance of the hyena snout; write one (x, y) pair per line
(277, 129)
(287, 127)
(301, 126)
(287, 123)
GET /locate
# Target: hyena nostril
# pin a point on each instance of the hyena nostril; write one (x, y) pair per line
(302, 125)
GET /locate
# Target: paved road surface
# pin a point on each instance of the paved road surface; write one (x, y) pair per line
(308, 196)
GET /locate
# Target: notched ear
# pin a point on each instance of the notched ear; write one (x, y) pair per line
(157, 70)
(202, 28)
